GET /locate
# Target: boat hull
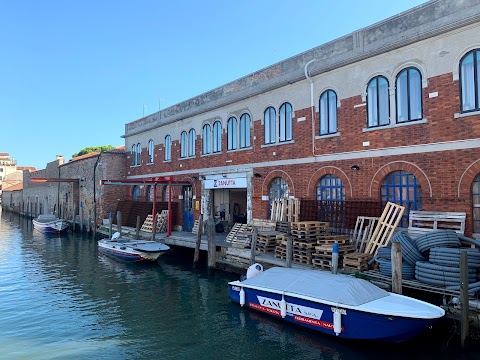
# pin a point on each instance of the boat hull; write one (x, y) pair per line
(51, 227)
(125, 252)
(316, 316)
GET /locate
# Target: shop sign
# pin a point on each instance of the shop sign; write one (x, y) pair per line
(225, 183)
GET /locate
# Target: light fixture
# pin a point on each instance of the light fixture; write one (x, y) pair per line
(355, 167)
(194, 178)
(257, 175)
(224, 175)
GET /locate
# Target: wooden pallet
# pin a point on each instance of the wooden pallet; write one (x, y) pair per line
(363, 231)
(421, 222)
(308, 225)
(284, 227)
(356, 261)
(161, 223)
(387, 223)
(242, 240)
(332, 239)
(195, 227)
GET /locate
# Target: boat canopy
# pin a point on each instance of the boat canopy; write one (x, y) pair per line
(322, 285)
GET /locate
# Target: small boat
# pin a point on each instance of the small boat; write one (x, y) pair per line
(49, 223)
(334, 304)
(130, 249)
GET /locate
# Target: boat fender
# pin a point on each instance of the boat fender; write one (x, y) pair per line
(254, 270)
(283, 307)
(242, 297)
(337, 322)
(116, 235)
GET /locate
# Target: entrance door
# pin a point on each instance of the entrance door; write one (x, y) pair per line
(187, 208)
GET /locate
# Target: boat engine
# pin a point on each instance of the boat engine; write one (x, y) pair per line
(254, 270)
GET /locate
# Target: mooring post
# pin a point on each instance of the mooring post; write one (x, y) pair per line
(396, 268)
(464, 326)
(119, 222)
(81, 217)
(253, 245)
(289, 251)
(74, 216)
(110, 224)
(196, 255)
(211, 243)
(137, 228)
(335, 258)
(154, 226)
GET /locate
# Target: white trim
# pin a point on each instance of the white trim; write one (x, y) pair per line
(467, 114)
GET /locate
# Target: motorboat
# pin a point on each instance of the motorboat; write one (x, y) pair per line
(336, 304)
(132, 250)
(49, 223)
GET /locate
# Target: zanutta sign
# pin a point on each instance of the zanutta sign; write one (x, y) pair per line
(234, 183)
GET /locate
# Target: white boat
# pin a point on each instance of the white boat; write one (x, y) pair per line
(49, 223)
(340, 305)
(129, 249)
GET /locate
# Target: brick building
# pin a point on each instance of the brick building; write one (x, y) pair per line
(390, 112)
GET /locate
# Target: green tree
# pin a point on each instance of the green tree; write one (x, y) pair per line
(91, 149)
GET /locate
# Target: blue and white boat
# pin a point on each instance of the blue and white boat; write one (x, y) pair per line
(48, 223)
(132, 250)
(340, 305)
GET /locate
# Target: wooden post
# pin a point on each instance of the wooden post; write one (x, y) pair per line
(137, 229)
(74, 216)
(81, 217)
(289, 251)
(119, 222)
(464, 326)
(253, 245)
(196, 255)
(211, 243)
(110, 224)
(154, 226)
(396, 268)
(89, 223)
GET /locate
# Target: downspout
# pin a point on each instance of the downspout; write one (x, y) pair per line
(311, 103)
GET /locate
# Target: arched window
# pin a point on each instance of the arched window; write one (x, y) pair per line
(191, 142)
(469, 81)
(285, 122)
(244, 131)
(134, 154)
(151, 148)
(328, 112)
(136, 193)
(402, 188)
(232, 133)
(278, 189)
(330, 187)
(168, 148)
(183, 144)
(269, 117)
(207, 139)
(149, 193)
(139, 154)
(217, 137)
(409, 95)
(378, 110)
(476, 204)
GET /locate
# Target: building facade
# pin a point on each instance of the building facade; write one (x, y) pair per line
(390, 112)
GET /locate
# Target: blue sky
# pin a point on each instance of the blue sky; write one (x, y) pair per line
(73, 73)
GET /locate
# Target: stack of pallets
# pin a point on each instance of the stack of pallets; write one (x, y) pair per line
(323, 250)
(281, 248)
(240, 235)
(356, 262)
(161, 222)
(283, 227)
(266, 241)
(305, 234)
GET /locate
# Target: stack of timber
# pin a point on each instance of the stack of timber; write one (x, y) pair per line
(267, 241)
(195, 227)
(285, 210)
(264, 225)
(161, 222)
(305, 235)
(240, 235)
(283, 227)
(281, 248)
(381, 236)
(324, 249)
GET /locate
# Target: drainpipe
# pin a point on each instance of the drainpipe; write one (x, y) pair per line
(311, 103)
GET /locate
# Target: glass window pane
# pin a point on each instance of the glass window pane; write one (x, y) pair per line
(468, 83)
(415, 94)
(402, 97)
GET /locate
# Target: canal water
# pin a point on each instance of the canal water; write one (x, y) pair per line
(60, 299)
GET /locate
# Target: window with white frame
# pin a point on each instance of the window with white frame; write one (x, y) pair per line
(378, 110)
(409, 95)
(328, 112)
(168, 148)
(207, 139)
(245, 131)
(232, 133)
(285, 122)
(217, 137)
(151, 149)
(183, 144)
(469, 81)
(191, 142)
(139, 154)
(134, 154)
(269, 117)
